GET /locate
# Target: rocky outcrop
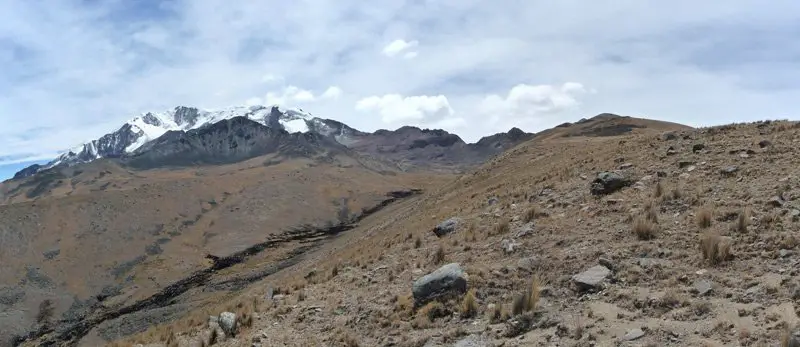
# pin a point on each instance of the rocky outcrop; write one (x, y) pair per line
(608, 182)
(448, 279)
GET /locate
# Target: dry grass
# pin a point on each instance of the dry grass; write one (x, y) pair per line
(658, 191)
(704, 217)
(644, 229)
(715, 248)
(428, 313)
(502, 228)
(532, 213)
(469, 304)
(438, 255)
(651, 212)
(527, 300)
(743, 221)
(495, 313)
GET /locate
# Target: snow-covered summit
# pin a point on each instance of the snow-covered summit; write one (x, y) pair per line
(149, 126)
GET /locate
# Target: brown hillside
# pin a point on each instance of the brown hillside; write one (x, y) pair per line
(738, 182)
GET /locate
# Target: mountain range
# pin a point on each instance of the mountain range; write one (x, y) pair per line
(186, 136)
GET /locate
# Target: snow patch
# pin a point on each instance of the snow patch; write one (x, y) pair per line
(295, 125)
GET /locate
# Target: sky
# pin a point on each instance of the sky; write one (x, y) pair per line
(73, 70)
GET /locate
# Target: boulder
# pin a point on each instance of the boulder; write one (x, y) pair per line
(446, 227)
(702, 287)
(633, 335)
(227, 321)
(608, 182)
(729, 171)
(448, 279)
(764, 143)
(698, 147)
(591, 278)
(792, 339)
(668, 136)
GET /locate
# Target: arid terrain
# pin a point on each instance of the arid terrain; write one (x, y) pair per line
(689, 238)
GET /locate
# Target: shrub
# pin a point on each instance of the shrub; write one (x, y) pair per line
(469, 305)
(703, 217)
(715, 248)
(644, 229)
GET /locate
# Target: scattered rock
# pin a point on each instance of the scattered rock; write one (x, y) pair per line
(633, 335)
(591, 278)
(685, 163)
(608, 182)
(661, 174)
(525, 230)
(472, 341)
(493, 200)
(527, 264)
(671, 151)
(669, 136)
(702, 287)
(698, 147)
(691, 168)
(446, 227)
(626, 166)
(784, 253)
(509, 246)
(729, 171)
(227, 321)
(793, 339)
(445, 280)
(764, 143)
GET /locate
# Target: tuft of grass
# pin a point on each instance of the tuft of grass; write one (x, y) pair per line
(658, 191)
(651, 212)
(703, 217)
(644, 229)
(715, 248)
(469, 305)
(743, 221)
(404, 304)
(417, 242)
(531, 214)
(502, 228)
(438, 255)
(527, 300)
(428, 313)
(495, 314)
(213, 337)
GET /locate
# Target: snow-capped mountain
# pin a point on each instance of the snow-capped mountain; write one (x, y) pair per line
(149, 126)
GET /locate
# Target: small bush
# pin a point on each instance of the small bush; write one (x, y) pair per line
(527, 300)
(703, 217)
(715, 248)
(743, 221)
(502, 228)
(644, 229)
(438, 255)
(469, 305)
(658, 191)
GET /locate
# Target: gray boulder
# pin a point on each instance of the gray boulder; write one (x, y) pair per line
(447, 226)
(608, 182)
(227, 321)
(591, 278)
(793, 340)
(448, 279)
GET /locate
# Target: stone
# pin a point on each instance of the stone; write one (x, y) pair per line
(446, 227)
(698, 147)
(795, 215)
(626, 166)
(473, 341)
(493, 200)
(784, 253)
(729, 171)
(448, 279)
(608, 182)
(528, 264)
(227, 321)
(668, 136)
(691, 168)
(764, 143)
(591, 278)
(525, 230)
(702, 287)
(270, 293)
(671, 151)
(685, 163)
(633, 335)
(509, 246)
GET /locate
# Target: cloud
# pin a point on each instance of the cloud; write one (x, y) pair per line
(401, 46)
(394, 108)
(728, 61)
(333, 92)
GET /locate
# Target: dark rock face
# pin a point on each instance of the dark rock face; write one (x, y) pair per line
(446, 227)
(224, 142)
(28, 171)
(448, 279)
(608, 182)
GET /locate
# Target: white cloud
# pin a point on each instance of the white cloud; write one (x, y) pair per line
(333, 92)
(394, 108)
(119, 58)
(401, 46)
